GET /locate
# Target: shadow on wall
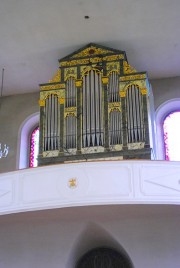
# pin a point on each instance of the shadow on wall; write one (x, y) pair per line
(94, 237)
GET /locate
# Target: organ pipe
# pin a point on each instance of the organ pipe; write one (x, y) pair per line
(51, 135)
(92, 110)
(135, 124)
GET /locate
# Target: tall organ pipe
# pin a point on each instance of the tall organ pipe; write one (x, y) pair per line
(70, 120)
(134, 108)
(92, 109)
(51, 135)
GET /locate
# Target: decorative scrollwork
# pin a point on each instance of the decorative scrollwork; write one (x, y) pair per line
(70, 111)
(113, 67)
(91, 51)
(114, 106)
(56, 78)
(52, 86)
(133, 77)
(128, 69)
(70, 72)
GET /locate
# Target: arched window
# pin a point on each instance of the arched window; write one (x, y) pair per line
(162, 112)
(25, 131)
(171, 127)
(34, 147)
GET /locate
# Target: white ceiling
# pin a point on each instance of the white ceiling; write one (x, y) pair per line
(34, 34)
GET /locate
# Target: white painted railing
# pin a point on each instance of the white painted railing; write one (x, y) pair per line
(90, 183)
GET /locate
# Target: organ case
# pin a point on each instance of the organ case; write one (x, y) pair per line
(96, 107)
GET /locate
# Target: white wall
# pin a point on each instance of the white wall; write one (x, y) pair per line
(13, 112)
(165, 89)
(149, 234)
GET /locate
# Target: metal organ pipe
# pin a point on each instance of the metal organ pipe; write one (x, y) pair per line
(115, 131)
(135, 124)
(113, 87)
(92, 109)
(51, 135)
(115, 128)
(70, 119)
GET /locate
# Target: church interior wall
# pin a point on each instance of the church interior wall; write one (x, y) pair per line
(165, 89)
(14, 110)
(58, 238)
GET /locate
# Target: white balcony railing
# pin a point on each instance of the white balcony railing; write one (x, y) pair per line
(90, 183)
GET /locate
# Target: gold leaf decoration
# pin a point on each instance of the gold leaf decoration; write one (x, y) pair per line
(91, 51)
(56, 77)
(128, 69)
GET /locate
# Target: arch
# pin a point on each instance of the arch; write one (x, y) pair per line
(86, 70)
(162, 111)
(92, 236)
(143, 89)
(104, 257)
(23, 140)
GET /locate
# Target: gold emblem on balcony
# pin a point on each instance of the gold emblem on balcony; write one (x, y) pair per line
(72, 183)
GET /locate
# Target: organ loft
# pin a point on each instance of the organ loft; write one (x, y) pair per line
(96, 107)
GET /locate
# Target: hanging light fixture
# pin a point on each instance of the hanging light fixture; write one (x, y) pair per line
(4, 149)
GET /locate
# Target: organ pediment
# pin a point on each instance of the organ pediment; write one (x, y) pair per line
(92, 50)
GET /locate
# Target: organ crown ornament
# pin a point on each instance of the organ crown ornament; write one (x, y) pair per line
(96, 106)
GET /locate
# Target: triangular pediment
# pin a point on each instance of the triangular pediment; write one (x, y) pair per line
(91, 50)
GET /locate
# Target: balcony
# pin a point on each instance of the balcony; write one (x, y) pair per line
(90, 183)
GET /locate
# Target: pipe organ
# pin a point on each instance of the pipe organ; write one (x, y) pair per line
(96, 107)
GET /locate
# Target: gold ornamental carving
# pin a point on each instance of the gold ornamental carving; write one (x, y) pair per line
(144, 91)
(91, 51)
(91, 60)
(122, 94)
(105, 80)
(41, 103)
(73, 62)
(128, 69)
(113, 67)
(95, 60)
(114, 57)
(56, 77)
(62, 96)
(133, 77)
(72, 183)
(137, 85)
(79, 83)
(70, 111)
(45, 94)
(70, 114)
(86, 69)
(70, 72)
(114, 106)
(61, 100)
(52, 87)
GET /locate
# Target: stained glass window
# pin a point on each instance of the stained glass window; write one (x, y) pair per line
(34, 147)
(171, 128)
